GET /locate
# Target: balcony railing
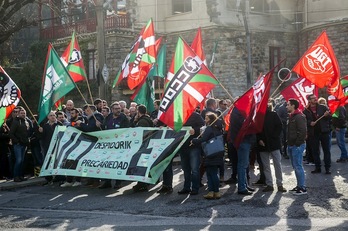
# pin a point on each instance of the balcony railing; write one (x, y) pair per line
(84, 26)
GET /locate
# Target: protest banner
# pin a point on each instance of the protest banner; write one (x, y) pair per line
(134, 154)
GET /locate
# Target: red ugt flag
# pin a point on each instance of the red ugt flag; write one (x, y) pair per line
(319, 65)
(300, 89)
(188, 82)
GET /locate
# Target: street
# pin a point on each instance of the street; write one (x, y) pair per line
(51, 207)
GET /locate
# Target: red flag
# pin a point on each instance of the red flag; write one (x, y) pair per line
(253, 105)
(300, 89)
(144, 56)
(72, 60)
(333, 102)
(188, 82)
(319, 65)
(197, 46)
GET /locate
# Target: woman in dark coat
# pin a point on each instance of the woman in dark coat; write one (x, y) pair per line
(213, 128)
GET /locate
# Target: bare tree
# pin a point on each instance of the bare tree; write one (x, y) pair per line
(14, 16)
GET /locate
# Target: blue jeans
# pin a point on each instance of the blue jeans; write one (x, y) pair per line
(19, 151)
(340, 133)
(213, 178)
(243, 164)
(190, 161)
(296, 157)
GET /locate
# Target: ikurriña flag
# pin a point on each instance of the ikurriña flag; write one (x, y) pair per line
(320, 66)
(10, 95)
(72, 60)
(144, 54)
(300, 89)
(187, 83)
(56, 83)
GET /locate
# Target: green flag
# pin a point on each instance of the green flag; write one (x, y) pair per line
(56, 83)
(160, 66)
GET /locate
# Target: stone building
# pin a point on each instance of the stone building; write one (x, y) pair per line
(276, 29)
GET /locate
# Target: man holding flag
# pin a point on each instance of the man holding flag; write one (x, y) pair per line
(318, 124)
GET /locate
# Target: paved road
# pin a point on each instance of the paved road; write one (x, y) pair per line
(84, 208)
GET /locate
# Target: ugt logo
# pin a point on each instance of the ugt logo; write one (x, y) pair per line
(318, 61)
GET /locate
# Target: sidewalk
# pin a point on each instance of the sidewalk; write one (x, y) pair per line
(7, 185)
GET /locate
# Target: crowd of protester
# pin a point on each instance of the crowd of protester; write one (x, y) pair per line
(287, 133)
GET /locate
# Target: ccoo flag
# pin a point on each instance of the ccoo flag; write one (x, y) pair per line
(188, 82)
(56, 83)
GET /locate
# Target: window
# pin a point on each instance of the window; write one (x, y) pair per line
(274, 57)
(232, 4)
(181, 6)
(263, 6)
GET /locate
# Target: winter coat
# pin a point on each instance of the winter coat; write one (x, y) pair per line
(323, 125)
(20, 131)
(297, 129)
(210, 132)
(270, 134)
(341, 120)
(196, 122)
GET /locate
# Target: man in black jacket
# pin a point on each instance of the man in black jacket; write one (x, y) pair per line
(318, 125)
(296, 136)
(20, 133)
(269, 145)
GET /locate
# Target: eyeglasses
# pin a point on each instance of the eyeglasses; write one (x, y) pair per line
(116, 108)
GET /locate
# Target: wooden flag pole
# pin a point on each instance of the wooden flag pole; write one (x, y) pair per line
(31, 113)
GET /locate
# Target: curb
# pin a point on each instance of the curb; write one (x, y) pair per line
(6, 185)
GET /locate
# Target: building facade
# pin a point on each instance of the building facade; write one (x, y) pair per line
(276, 30)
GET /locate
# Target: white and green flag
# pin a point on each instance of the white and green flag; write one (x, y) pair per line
(56, 83)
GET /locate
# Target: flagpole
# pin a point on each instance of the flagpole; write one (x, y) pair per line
(31, 113)
(84, 99)
(227, 109)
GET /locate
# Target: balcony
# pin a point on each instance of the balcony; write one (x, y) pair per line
(83, 26)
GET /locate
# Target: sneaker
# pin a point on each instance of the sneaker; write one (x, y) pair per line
(140, 187)
(341, 160)
(294, 189)
(309, 164)
(66, 184)
(317, 170)
(76, 184)
(268, 189)
(165, 189)
(300, 191)
(259, 183)
(231, 181)
(281, 189)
